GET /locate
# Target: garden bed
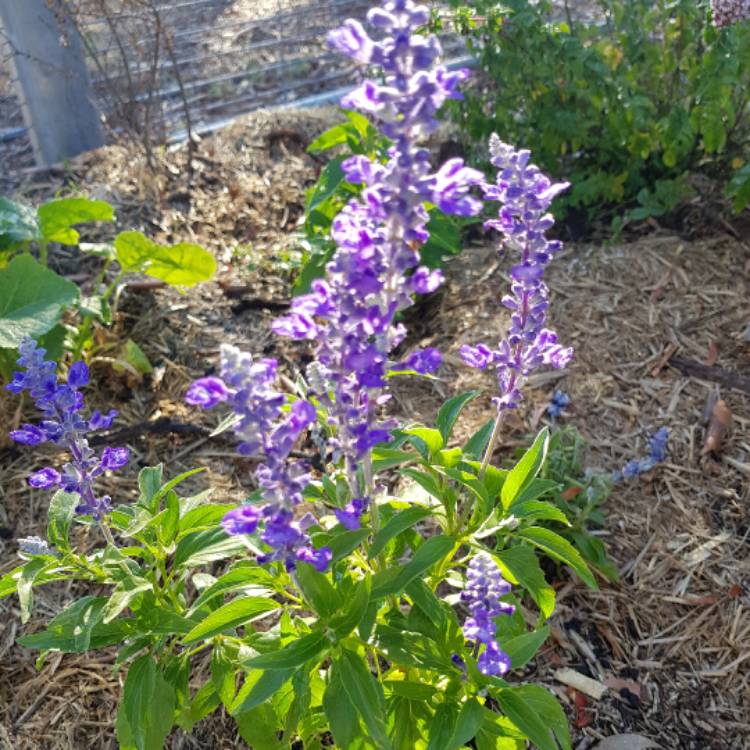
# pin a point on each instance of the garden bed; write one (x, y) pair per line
(672, 639)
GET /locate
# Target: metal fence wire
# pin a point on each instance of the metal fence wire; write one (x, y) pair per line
(160, 70)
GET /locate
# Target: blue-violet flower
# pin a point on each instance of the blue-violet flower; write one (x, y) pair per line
(61, 406)
(484, 587)
(525, 195)
(376, 267)
(268, 428)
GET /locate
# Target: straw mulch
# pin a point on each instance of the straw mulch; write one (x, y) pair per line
(670, 642)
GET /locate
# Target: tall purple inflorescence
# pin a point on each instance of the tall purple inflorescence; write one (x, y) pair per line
(61, 405)
(376, 267)
(268, 428)
(525, 194)
(727, 12)
(484, 587)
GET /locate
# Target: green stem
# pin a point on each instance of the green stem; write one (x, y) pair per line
(491, 445)
(42, 252)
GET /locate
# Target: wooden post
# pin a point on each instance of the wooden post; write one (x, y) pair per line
(53, 80)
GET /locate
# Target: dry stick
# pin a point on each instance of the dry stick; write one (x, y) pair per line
(715, 374)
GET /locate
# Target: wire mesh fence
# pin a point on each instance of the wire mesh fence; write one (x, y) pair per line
(160, 71)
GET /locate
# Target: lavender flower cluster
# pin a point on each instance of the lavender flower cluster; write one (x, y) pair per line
(268, 428)
(484, 587)
(657, 453)
(375, 270)
(525, 195)
(61, 406)
(727, 12)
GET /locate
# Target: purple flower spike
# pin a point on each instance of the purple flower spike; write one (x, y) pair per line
(267, 427)
(61, 406)
(376, 268)
(525, 195)
(320, 559)
(44, 479)
(28, 434)
(114, 458)
(78, 375)
(484, 587)
(243, 520)
(206, 392)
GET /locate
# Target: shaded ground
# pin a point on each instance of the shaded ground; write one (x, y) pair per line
(676, 627)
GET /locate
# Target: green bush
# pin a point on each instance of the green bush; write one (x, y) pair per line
(624, 109)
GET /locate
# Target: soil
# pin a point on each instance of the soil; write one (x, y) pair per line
(672, 638)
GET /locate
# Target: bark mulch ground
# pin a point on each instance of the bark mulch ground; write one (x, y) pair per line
(658, 326)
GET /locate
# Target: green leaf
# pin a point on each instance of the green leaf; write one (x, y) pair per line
(432, 439)
(561, 549)
(403, 520)
(318, 590)
(78, 628)
(32, 299)
(131, 353)
(245, 576)
(520, 565)
(201, 547)
(18, 224)
(57, 217)
(526, 469)
(433, 549)
(26, 582)
(203, 517)
(260, 728)
(329, 139)
(258, 688)
(467, 724)
(441, 727)
(365, 694)
(357, 607)
(149, 482)
(444, 239)
(340, 711)
(293, 655)
(328, 183)
(449, 412)
(536, 510)
(145, 689)
(424, 598)
(523, 648)
(537, 714)
(60, 515)
(477, 443)
(184, 264)
(386, 458)
(123, 595)
(9, 582)
(230, 615)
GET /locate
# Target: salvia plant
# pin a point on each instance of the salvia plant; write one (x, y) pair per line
(381, 586)
(34, 297)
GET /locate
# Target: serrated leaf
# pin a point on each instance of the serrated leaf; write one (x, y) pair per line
(32, 299)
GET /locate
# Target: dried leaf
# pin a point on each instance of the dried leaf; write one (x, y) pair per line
(721, 421)
(571, 492)
(584, 716)
(618, 684)
(713, 354)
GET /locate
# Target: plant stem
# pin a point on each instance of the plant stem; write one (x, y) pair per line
(43, 252)
(491, 445)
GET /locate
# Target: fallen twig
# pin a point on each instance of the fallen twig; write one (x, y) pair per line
(692, 368)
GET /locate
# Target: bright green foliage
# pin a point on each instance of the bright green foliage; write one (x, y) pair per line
(33, 298)
(331, 192)
(624, 110)
(364, 651)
